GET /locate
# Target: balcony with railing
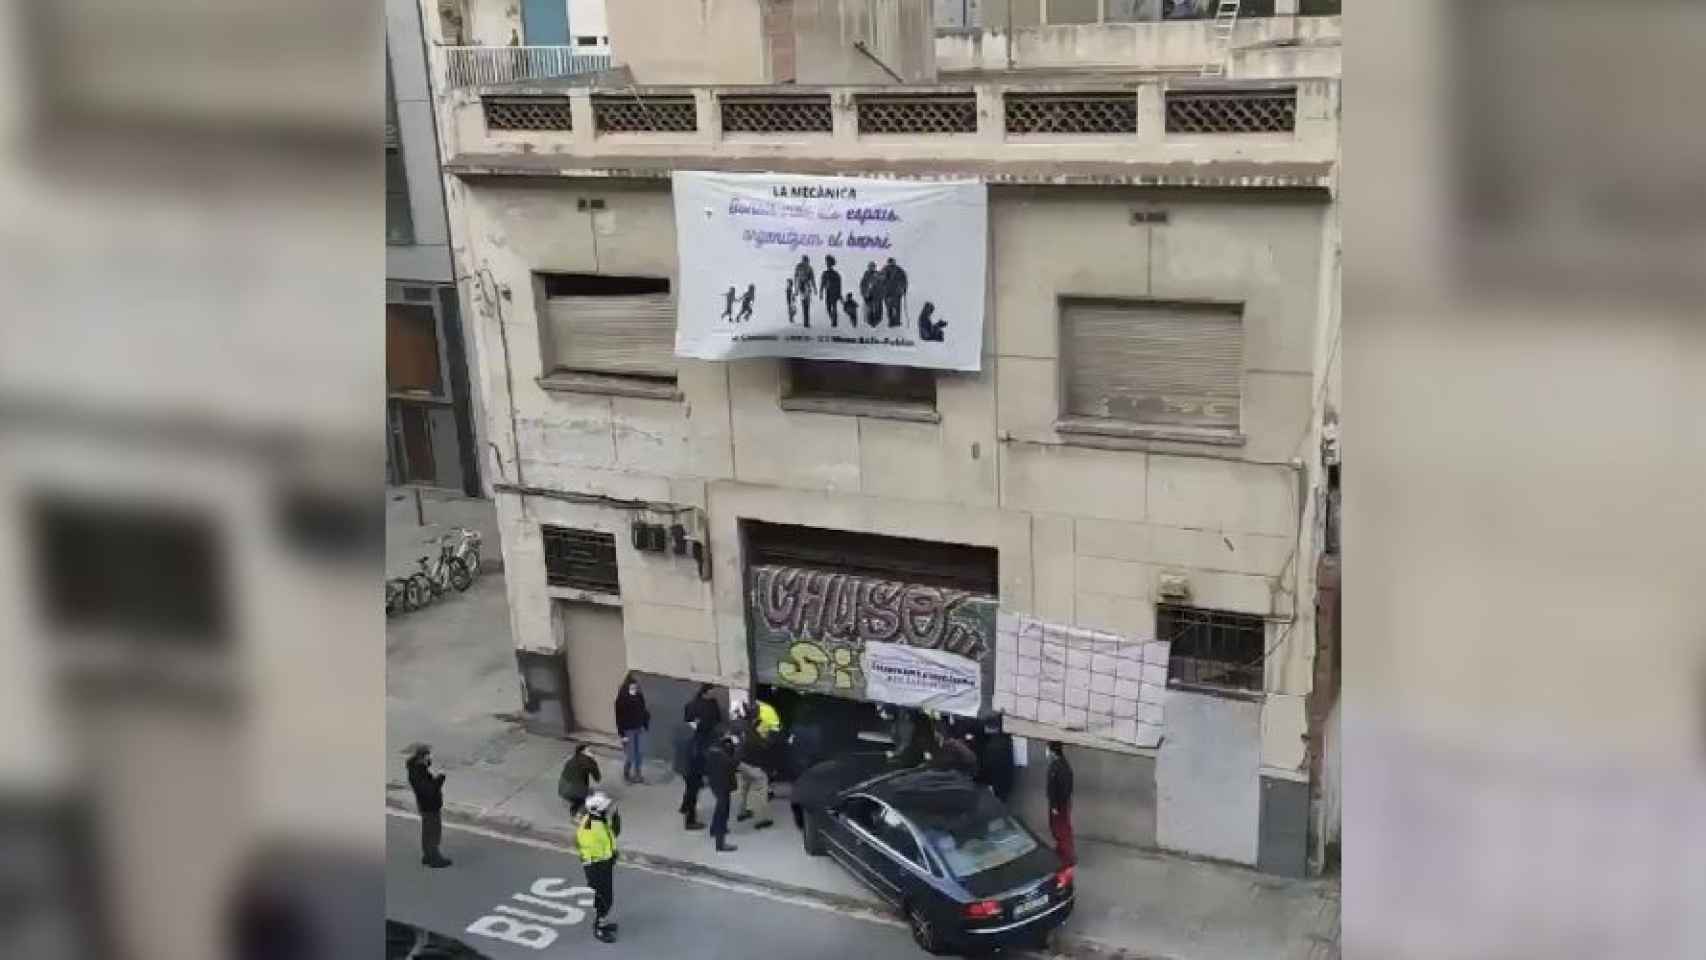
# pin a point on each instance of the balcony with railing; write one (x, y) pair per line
(481, 66)
(1166, 131)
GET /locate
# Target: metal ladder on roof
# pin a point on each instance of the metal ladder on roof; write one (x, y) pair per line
(1220, 37)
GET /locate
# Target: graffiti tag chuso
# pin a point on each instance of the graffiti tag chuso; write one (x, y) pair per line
(815, 623)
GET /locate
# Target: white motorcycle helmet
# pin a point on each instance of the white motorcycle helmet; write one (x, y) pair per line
(599, 803)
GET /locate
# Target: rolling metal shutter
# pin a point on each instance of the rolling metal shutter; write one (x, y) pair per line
(614, 334)
(1154, 363)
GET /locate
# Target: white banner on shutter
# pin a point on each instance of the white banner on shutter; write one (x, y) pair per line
(830, 268)
(920, 677)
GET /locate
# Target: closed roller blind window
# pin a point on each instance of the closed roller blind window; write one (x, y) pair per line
(1163, 364)
(612, 331)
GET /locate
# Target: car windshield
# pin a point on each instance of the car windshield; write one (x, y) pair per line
(982, 841)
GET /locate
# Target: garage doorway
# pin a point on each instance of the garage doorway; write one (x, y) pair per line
(597, 658)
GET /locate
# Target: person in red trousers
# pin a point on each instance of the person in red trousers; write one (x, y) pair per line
(1060, 802)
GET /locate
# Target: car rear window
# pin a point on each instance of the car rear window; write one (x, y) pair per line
(980, 842)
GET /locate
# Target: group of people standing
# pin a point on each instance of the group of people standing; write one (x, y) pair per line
(734, 759)
(882, 290)
(738, 758)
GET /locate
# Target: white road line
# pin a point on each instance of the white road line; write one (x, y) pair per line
(869, 915)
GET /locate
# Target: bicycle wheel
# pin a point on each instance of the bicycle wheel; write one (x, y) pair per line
(460, 578)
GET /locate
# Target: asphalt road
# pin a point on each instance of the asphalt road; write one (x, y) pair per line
(661, 915)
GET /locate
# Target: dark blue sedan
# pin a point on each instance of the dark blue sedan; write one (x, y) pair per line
(962, 870)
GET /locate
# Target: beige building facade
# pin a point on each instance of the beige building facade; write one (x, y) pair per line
(1121, 197)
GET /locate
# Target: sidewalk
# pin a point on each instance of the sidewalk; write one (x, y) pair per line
(1131, 903)
(406, 539)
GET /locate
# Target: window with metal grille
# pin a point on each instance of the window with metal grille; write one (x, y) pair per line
(1153, 363)
(845, 380)
(595, 323)
(621, 114)
(1232, 111)
(776, 115)
(1212, 648)
(527, 113)
(1071, 112)
(580, 559)
(917, 113)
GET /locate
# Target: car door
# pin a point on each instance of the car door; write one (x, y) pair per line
(853, 840)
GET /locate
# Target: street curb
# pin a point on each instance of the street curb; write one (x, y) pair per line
(1065, 944)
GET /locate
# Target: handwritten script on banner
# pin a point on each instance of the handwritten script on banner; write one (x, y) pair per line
(823, 631)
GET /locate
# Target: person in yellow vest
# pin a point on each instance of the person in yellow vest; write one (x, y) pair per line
(769, 721)
(595, 836)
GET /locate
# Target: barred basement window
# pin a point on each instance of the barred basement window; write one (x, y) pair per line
(1071, 112)
(776, 115)
(1212, 648)
(580, 559)
(527, 113)
(645, 114)
(1232, 111)
(917, 113)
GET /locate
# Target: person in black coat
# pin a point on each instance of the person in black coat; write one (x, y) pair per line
(428, 785)
(720, 764)
(580, 772)
(690, 766)
(632, 721)
(995, 767)
(703, 716)
(1060, 802)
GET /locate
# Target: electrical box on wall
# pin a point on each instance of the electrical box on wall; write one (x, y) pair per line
(1174, 586)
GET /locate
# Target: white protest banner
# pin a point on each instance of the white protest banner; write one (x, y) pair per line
(830, 268)
(920, 677)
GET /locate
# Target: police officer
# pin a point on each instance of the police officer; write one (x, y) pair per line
(596, 838)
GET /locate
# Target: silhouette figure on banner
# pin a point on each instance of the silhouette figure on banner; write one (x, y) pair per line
(788, 295)
(728, 305)
(894, 292)
(928, 331)
(805, 285)
(871, 291)
(746, 303)
(830, 284)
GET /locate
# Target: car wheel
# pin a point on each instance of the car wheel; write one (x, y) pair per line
(924, 932)
(811, 833)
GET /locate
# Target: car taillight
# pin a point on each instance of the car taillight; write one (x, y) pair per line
(1063, 878)
(983, 910)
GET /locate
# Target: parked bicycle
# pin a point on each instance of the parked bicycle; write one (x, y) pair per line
(403, 594)
(465, 546)
(438, 574)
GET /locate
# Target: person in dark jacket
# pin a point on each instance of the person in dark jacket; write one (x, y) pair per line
(703, 716)
(995, 767)
(580, 772)
(632, 721)
(951, 753)
(720, 767)
(1060, 802)
(690, 766)
(428, 785)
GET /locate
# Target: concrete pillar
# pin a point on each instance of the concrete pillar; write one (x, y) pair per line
(1151, 114)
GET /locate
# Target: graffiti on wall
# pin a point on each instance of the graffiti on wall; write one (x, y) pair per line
(811, 628)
